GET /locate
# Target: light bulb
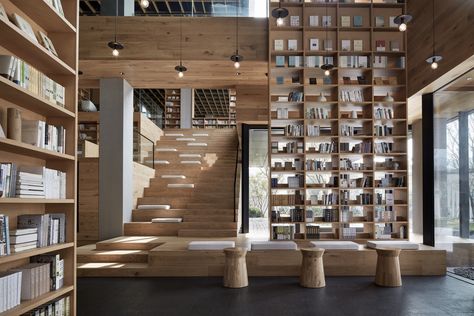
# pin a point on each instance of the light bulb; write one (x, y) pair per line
(237, 65)
(279, 21)
(181, 74)
(144, 3)
(434, 65)
(327, 72)
(115, 52)
(402, 27)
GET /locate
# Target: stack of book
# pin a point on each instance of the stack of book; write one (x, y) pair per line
(283, 232)
(11, 297)
(43, 135)
(383, 231)
(383, 130)
(383, 148)
(31, 79)
(61, 307)
(294, 130)
(351, 95)
(318, 113)
(348, 232)
(383, 114)
(8, 172)
(23, 239)
(312, 232)
(295, 96)
(4, 235)
(56, 266)
(40, 182)
(51, 227)
(297, 215)
(34, 280)
(331, 215)
(364, 199)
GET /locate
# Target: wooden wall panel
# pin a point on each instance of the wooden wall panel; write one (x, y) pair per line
(252, 103)
(454, 41)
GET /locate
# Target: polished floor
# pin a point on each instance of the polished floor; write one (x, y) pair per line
(272, 296)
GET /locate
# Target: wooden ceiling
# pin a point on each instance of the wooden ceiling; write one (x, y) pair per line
(170, 7)
(152, 51)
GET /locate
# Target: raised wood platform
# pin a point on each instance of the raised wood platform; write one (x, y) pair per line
(169, 257)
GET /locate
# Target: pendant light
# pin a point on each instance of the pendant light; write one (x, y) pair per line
(144, 3)
(434, 59)
(327, 66)
(115, 45)
(180, 69)
(279, 14)
(402, 21)
(236, 58)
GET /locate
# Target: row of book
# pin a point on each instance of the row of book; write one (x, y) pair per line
(31, 79)
(351, 95)
(283, 232)
(348, 164)
(385, 214)
(296, 96)
(318, 113)
(383, 130)
(282, 113)
(294, 130)
(33, 231)
(359, 148)
(43, 135)
(349, 130)
(379, 62)
(318, 165)
(364, 182)
(31, 182)
(317, 130)
(296, 164)
(60, 307)
(383, 114)
(286, 200)
(290, 148)
(324, 148)
(360, 199)
(324, 199)
(348, 233)
(389, 199)
(390, 181)
(383, 148)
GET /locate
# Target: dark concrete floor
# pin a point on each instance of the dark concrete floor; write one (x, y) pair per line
(272, 296)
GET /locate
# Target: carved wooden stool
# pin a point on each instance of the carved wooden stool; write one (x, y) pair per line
(388, 268)
(312, 269)
(235, 269)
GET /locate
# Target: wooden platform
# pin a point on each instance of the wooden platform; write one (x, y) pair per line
(169, 257)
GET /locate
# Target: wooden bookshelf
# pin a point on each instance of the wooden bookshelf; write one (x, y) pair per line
(220, 121)
(354, 113)
(172, 108)
(62, 31)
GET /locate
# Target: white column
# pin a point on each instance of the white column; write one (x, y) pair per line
(187, 108)
(115, 157)
(417, 177)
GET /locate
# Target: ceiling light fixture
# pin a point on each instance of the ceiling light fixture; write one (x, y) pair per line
(144, 3)
(434, 59)
(180, 68)
(279, 14)
(237, 58)
(402, 21)
(327, 66)
(115, 45)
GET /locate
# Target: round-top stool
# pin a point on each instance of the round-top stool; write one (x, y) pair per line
(312, 269)
(235, 269)
(388, 267)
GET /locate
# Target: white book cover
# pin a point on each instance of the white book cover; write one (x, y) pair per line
(14, 240)
(345, 45)
(295, 20)
(328, 44)
(327, 20)
(358, 45)
(314, 20)
(292, 44)
(314, 44)
(24, 231)
(391, 22)
(345, 21)
(279, 44)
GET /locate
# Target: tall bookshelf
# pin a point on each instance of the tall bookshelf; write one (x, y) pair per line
(220, 121)
(338, 145)
(172, 108)
(62, 31)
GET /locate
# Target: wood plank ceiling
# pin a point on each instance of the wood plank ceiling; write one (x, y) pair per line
(170, 7)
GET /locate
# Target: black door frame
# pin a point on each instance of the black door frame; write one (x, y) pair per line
(245, 172)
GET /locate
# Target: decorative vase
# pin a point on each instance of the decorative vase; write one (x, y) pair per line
(321, 98)
(388, 98)
(88, 106)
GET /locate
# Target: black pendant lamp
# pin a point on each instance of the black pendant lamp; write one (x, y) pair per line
(279, 14)
(180, 69)
(327, 66)
(115, 45)
(236, 57)
(434, 59)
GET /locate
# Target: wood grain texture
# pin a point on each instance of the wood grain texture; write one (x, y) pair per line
(235, 268)
(454, 20)
(388, 268)
(252, 103)
(312, 268)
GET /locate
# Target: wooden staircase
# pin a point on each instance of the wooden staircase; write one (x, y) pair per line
(195, 177)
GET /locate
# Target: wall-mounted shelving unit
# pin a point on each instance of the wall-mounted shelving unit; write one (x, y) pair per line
(338, 143)
(172, 108)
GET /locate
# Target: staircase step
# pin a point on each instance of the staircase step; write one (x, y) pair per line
(153, 207)
(167, 220)
(130, 243)
(207, 233)
(190, 155)
(165, 149)
(185, 139)
(173, 176)
(190, 162)
(197, 144)
(188, 215)
(90, 254)
(171, 229)
(201, 134)
(158, 162)
(174, 134)
(181, 185)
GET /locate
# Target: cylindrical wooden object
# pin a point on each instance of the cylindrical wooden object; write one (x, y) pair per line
(312, 269)
(235, 269)
(14, 124)
(388, 268)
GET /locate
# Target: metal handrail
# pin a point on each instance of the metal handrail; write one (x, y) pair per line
(152, 144)
(235, 182)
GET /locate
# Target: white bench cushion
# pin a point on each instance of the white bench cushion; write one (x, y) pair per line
(401, 244)
(211, 245)
(274, 245)
(340, 245)
(167, 220)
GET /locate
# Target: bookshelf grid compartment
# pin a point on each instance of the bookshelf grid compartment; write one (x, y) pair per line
(172, 108)
(29, 99)
(338, 143)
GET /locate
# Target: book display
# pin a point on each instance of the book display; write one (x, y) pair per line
(172, 108)
(338, 140)
(38, 112)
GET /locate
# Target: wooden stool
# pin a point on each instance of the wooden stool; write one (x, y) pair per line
(235, 269)
(312, 269)
(388, 268)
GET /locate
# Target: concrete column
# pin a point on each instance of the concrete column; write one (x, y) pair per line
(125, 8)
(464, 190)
(187, 108)
(115, 157)
(417, 177)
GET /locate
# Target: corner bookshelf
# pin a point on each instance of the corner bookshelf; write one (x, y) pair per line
(172, 108)
(61, 68)
(338, 143)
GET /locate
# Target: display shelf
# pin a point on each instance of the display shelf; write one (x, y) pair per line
(20, 148)
(35, 201)
(35, 252)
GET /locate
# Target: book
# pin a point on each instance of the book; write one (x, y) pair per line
(313, 20)
(314, 44)
(395, 46)
(380, 45)
(345, 45)
(278, 44)
(379, 21)
(292, 44)
(358, 45)
(358, 21)
(3, 16)
(279, 80)
(24, 26)
(328, 44)
(4, 235)
(35, 280)
(56, 272)
(345, 21)
(391, 22)
(23, 238)
(380, 62)
(295, 20)
(279, 61)
(10, 290)
(326, 20)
